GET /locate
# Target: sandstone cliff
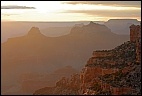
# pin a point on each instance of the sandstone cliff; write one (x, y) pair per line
(115, 74)
(116, 71)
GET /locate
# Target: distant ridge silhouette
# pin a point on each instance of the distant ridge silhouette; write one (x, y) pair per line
(35, 52)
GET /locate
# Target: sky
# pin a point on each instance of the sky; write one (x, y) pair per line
(69, 10)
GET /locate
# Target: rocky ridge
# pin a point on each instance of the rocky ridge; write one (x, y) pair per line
(20, 54)
(113, 74)
(108, 72)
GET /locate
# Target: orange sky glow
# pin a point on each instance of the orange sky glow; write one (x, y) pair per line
(69, 10)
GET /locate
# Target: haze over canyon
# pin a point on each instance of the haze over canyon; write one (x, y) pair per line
(37, 55)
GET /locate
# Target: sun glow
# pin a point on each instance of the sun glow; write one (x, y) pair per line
(49, 7)
(59, 11)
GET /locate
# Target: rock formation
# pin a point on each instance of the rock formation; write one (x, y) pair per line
(121, 26)
(135, 36)
(116, 71)
(35, 52)
(107, 72)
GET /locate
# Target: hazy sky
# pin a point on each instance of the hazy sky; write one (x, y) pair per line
(69, 10)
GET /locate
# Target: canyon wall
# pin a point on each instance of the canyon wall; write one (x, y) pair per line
(107, 72)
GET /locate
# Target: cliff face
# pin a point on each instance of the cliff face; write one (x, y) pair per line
(20, 54)
(116, 71)
(107, 72)
(114, 74)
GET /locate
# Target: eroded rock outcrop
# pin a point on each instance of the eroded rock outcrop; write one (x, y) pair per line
(116, 71)
(107, 72)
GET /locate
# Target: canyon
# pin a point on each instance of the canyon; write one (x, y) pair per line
(107, 72)
(35, 53)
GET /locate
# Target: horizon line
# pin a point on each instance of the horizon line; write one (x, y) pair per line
(67, 21)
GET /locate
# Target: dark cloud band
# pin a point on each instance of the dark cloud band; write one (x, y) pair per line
(108, 13)
(107, 3)
(17, 7)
